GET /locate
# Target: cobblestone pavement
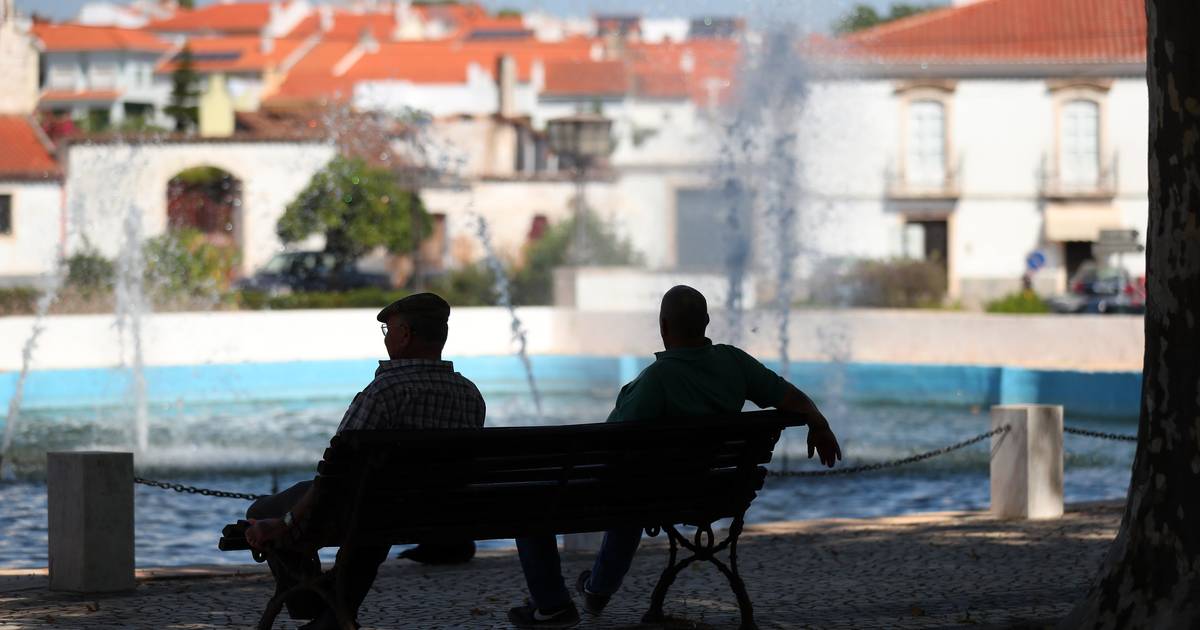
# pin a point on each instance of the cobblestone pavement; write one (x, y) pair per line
(940, 570)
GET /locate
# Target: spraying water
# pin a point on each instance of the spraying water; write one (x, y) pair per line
(131, 306)
(44, 302)
(760, 154)
(505, 298)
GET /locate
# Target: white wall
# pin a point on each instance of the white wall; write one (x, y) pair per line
(106, 182)
(32, 247)
(1051, 342)
(478, 94)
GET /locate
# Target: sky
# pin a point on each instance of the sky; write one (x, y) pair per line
(818, 15)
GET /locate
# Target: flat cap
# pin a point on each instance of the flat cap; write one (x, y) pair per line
(427, 306)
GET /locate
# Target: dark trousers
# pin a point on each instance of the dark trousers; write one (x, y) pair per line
(361, 563)
(543, 570)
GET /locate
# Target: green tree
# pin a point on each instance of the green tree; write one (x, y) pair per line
(533, 283)
(186, 4)
(184, 92)
(864, 16)
(357, 208)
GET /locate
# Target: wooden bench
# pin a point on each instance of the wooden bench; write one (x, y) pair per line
(404, 487)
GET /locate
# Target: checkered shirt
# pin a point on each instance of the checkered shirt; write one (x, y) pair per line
(416, 394)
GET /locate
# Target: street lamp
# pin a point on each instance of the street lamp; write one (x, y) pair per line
(581, 139)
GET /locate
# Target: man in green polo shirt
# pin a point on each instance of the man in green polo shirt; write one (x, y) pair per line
(691, 377)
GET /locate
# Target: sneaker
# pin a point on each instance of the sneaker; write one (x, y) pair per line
(530, 616)
(593, 603)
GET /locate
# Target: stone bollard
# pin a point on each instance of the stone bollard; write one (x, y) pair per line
(90, 506)
(1027, 462)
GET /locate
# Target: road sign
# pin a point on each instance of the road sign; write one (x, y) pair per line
(1117, 242)
(1035, 260)
(1119, 237)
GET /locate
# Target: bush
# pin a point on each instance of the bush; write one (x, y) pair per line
(1025, 301)
(533, 283)
(183, 263)
(89, 273)
(897, 283)
(474, 285)
(18, 300)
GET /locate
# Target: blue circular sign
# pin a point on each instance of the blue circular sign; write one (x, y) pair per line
(1035, 261)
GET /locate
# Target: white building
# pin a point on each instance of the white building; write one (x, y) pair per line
(30, 202)
(102, 75)
(961, 136)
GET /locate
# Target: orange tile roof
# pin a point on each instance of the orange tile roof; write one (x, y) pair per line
(348, 25)
(662, 85)
(1008, 31)
(27, 154)
(233, 54)
(240, 17)
(71, 96)
(312, 78)
(587, 78)
(76, 37)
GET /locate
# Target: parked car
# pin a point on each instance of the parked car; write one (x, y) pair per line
(310, 271)
(1098, 289)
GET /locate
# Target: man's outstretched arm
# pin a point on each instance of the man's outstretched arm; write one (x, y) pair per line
(821, 439)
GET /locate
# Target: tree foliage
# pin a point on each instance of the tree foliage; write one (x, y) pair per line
(184, 92)
(864, 16)
(357, 208)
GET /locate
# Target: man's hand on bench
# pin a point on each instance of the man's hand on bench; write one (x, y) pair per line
(822, 440)
(267, 532)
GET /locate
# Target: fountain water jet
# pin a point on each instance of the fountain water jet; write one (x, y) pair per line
(505, 297)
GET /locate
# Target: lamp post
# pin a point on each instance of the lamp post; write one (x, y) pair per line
(581, 139)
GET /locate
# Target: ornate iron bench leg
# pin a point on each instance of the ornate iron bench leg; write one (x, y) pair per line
(655, 614)
(703, 548)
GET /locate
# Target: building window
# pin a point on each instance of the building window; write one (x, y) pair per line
(6, 224)
(1079, 154)
(926, 143)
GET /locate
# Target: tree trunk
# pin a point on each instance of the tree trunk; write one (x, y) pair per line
(1151, 577)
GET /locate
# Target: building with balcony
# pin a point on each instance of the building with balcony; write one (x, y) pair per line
(978, 135)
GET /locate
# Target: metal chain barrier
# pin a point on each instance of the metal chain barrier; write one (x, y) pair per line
(178, 487)
(1100, 434)
(892, 464)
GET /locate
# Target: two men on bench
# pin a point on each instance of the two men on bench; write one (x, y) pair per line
(691, 377)
(414, 389)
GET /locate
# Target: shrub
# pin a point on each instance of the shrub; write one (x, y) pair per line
(183, 263)
(533, 283)
(474, 285)
(89, 273)
(1025, 301)
(18, 300)
(897, 283)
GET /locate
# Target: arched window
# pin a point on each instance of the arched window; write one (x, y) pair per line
(1079, 152)
(926, 143)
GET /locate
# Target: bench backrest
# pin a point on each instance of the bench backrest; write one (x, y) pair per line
(504, 482)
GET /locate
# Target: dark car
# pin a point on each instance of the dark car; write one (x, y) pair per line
(311, 271)
(1096, 289)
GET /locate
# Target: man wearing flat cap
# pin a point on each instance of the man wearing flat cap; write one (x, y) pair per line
(413, 389)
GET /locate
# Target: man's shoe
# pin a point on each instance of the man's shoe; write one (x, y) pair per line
(593, 603)
(529, 616)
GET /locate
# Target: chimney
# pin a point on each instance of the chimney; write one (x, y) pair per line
(266, 44)
(506, 79)
(325, 17)
(217, 119)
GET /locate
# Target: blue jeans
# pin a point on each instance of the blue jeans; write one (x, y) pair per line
(543, 570)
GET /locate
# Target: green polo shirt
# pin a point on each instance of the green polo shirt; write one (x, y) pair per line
(698, 381)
